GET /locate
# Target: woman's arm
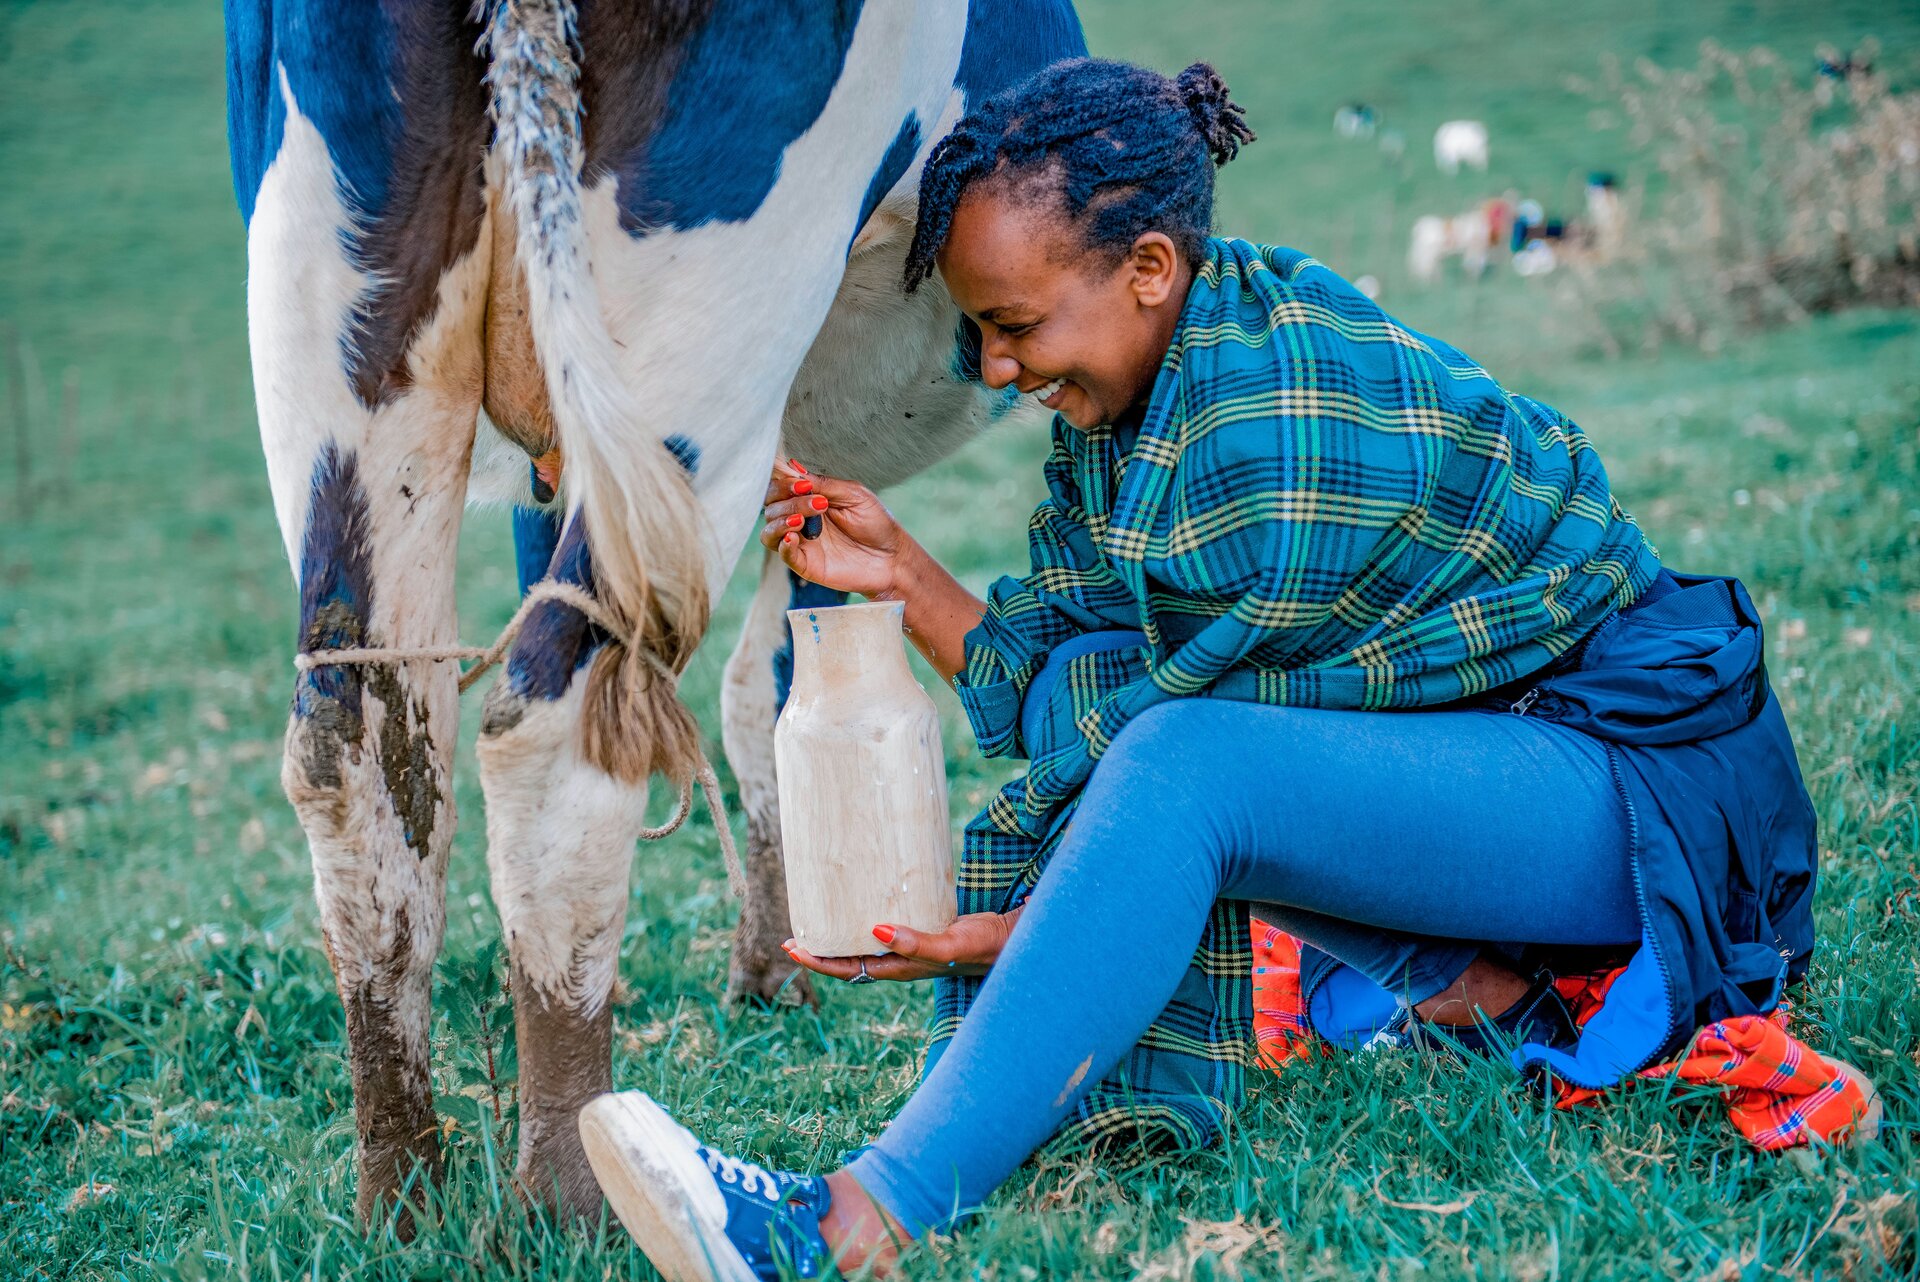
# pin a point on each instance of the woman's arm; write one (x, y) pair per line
(862, 548)
(939, 612)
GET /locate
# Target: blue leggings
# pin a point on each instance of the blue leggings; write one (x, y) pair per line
(1396, 841)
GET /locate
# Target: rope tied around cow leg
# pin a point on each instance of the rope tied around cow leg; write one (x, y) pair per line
(485, 657)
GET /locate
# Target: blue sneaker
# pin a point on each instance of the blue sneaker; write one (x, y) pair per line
(699, 1215)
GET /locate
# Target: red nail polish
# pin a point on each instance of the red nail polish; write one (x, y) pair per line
(819, 502)
(797, 466)
(787, 538)
(795, 521)
(883, 933)
(803, 487)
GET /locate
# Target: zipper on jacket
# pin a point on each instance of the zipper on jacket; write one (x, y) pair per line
(1521, 706)
(1652, 944)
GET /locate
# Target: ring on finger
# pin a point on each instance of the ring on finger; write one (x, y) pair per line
(862, 977)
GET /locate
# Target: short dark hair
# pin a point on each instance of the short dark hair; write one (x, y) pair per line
(1123, 148)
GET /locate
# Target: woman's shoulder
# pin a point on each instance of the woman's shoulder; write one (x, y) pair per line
(1275, 272)
(1230, 257)
(1297, 289)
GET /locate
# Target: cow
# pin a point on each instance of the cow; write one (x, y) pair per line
(598, 259)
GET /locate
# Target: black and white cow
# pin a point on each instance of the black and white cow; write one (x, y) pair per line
(657, 239)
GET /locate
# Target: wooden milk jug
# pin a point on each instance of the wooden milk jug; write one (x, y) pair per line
(863, 785)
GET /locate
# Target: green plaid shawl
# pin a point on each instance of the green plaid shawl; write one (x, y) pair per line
(1321, 508)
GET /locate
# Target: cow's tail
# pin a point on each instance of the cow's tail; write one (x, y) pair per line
(643, 523)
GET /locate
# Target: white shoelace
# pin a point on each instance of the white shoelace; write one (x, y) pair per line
(750, 1177)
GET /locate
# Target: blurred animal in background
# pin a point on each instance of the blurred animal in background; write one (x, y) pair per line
(1472, 237)
(1355, 120)
(665, 237)
(1458, 143)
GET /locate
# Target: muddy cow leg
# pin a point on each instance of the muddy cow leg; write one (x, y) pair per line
(366, 369)
(560, 842)
(367, 766)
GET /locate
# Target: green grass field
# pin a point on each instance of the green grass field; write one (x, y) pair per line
(169, 1027)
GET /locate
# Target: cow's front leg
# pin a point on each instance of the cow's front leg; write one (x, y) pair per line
(560, 840)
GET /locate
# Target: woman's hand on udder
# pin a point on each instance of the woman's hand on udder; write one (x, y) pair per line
(858, 545)
(969, 946)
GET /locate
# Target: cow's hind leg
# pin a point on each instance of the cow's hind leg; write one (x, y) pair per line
(367, 384)
(368, 761)
(560, 841)
(758, 675)
(372, 501)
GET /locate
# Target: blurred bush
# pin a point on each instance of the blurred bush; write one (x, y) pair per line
(1775, 190)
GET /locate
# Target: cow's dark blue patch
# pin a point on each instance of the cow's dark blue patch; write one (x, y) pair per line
(331, 59)
(536, 533)
(801, 595)
(900, 154)
(396, 93)
(685, 452)
(336, 577)
(753, 79)
(557, 640)
(1009, 40)
(253, 125)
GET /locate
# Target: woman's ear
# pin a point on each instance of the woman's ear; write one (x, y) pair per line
(1156, 268)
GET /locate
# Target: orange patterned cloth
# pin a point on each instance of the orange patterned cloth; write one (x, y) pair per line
(1279, 1016)
(1779, 1092)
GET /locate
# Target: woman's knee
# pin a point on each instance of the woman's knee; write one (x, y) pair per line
(1158, 734)
(1149, 784)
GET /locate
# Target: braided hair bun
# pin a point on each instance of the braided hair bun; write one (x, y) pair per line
(1119, 150)
(1222, 121)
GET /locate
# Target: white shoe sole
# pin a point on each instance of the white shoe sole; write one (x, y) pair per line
(654, 1183)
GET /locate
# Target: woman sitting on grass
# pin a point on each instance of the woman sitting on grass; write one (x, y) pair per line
(1298, 570)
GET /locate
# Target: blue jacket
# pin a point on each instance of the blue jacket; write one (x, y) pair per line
(1722, 831)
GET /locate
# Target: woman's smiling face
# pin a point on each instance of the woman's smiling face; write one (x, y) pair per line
(1054, 317)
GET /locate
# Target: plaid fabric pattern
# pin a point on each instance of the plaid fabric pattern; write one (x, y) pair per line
(1778, 1091)
(1321, 508)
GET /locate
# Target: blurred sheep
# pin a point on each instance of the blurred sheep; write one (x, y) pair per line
(1460, 142)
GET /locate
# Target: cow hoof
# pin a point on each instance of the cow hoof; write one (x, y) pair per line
(552, 1171)
(768, 984)
(385, 1171)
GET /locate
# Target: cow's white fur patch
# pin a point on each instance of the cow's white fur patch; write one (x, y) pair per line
(500, 475)
(560, 836)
